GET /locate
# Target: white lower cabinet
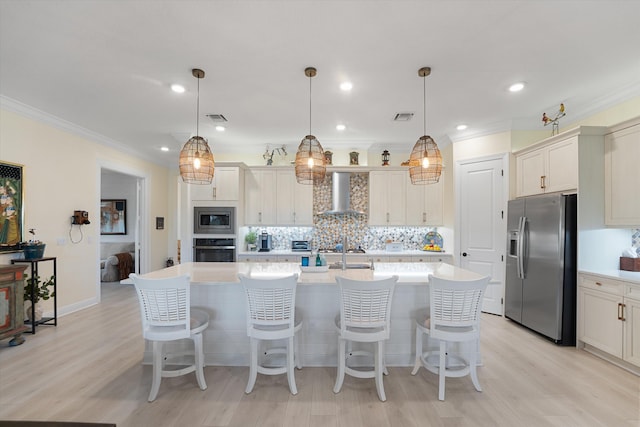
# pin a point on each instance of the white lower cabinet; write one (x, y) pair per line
(609, 316)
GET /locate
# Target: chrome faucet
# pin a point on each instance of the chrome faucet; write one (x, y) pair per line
(344, 252)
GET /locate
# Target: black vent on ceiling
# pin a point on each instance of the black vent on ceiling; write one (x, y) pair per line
(217, 118)
(403, 117)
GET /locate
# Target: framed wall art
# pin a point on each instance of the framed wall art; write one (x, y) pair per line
(11, 201)
(113, 218)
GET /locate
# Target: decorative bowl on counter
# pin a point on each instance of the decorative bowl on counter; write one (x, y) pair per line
(432, 242)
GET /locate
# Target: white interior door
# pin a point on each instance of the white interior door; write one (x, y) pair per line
(482, 191)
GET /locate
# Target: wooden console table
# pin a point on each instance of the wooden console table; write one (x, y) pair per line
(34, 273)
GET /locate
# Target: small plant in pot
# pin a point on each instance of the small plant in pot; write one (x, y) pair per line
(34, 248)
(40, 290)
(251, 238)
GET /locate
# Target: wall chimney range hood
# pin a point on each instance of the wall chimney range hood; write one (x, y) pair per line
(340, 196)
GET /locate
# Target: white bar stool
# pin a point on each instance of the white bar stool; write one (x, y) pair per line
(454, 317)
(365, 310)
(167, 315)
(271, 315)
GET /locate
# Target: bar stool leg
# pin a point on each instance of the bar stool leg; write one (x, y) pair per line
(253, 366)
(341, 365)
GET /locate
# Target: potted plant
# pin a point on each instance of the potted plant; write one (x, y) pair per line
(251, 238)
(34, 248)
(40, 290)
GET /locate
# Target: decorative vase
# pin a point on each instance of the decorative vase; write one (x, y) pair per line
(27, 311)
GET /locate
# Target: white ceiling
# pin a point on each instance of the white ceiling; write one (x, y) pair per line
(107, 66)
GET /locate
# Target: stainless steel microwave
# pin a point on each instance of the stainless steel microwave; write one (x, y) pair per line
(214, 220)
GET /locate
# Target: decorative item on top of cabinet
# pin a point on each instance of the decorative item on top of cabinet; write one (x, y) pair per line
(385, 158)
(555, 121)
(621, 177)
(353, 158)
(609, 319)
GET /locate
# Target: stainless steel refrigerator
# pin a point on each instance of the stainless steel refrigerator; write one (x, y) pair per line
(540, 285)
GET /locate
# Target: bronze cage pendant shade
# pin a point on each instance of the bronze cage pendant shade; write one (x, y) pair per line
(310, 161)
(196, 161)
(425, 162)
(423, 171)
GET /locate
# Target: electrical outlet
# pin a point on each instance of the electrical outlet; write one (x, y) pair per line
(61, 241)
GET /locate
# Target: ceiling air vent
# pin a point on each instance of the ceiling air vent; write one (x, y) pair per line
(217, 118)
(403, 117)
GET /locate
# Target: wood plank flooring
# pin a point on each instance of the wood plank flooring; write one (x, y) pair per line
(89, 369)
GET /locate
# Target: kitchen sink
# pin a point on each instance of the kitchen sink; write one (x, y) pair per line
(355, 265)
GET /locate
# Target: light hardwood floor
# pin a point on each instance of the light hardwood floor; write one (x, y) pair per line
(88, 368)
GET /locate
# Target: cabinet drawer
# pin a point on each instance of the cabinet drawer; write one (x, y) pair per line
(605, 285)
(632, 291)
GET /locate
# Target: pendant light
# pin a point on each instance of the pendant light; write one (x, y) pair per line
(425, 162)
(310, 161)
(196, 159)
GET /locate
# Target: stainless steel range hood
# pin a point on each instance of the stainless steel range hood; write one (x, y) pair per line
(341, 195)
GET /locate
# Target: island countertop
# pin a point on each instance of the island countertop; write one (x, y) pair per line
(409, 273)
(216, 289)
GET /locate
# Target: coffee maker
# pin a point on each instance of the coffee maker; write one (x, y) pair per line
(264, 242)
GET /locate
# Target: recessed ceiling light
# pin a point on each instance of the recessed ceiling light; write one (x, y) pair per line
(164, 148)
(220, 128)
(340, 127)
(346, 86)
(461, 127)
(516, 87)
(177, 88)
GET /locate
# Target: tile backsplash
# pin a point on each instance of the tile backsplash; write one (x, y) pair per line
(635, 239)
(330, 229)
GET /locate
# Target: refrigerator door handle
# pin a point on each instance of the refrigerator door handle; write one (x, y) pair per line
(521, 226)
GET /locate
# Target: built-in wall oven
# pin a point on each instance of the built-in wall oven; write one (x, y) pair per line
(214, 250)
(214, 220)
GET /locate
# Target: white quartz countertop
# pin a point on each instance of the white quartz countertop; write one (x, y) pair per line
(629, 276)
(214, 273)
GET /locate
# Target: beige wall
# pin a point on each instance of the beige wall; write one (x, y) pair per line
(61, 174)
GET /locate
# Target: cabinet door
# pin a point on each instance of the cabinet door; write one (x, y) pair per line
(387, 197)
(632, 331)
(260, 197)
(225, 183)
(199, 192)
(529, 173)
(561, 166)
(621, 177)
(424, 204)
(598, 320)
(378, 196)
(294, 205)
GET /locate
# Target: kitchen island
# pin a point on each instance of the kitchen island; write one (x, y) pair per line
(216, 288)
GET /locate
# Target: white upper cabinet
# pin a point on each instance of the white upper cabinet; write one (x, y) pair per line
(548, 168)
(224, 187)
(387, 197)
(424, 203)
(260, 196)
(294, 202)
(622, 176)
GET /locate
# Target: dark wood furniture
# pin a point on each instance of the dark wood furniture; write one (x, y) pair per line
(11, 305)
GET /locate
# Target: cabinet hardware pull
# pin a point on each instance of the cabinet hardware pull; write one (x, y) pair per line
(542, 183)
(424, 217)
(623, 307)
(598, 283)
(620, 311)
(387, 216)
(215, 193)
(259, 216)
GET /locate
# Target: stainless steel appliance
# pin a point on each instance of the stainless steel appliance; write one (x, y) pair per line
(214, 220)
(214, 250)
(264, 242)
(300, 246)
(540, 285)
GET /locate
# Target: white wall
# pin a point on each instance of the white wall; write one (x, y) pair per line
(61, 173)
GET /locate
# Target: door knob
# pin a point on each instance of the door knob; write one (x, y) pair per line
(464, 254)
